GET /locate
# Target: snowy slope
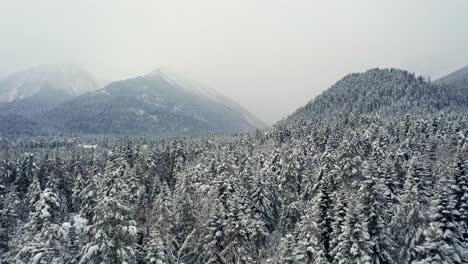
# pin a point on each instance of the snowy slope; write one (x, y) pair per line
(200, 89)
(457, 80)
(385, 92)
(47, 80)
(158, 102)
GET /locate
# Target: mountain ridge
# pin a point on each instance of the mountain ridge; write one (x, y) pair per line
(382, 92)
(152, 103)
(67, 78)
(457, 80)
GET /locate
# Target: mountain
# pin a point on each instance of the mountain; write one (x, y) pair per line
(159, 102)
(386, 92)
(41, 81)
(42, 87)
(457, 80)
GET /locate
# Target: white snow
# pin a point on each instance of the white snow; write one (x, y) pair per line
(167, 79)
(44, 213)
(92, 250)
(37, 258)
(185, 83)
(202, 90)
(87, 146)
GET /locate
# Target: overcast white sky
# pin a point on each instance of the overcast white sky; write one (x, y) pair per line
(270, 56)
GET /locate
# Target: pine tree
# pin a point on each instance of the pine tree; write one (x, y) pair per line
(88, 197)
(307, 236)
(74, 240)
(113, 230)
(411, 218)
(265, 204)
(338, 223)
(162, 246)
(185, 214)
(9, 201)
(213, 239)
(78, 185)
(39, 236)
(460, 189)
(264, 211)
(290, 178)
(432, 250)
(353, 246)
(374, 214)
(155, 249)
(285, 253)
(28, 170)
(444, 230)
(238, 229)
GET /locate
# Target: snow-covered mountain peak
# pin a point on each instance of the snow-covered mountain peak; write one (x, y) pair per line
(163, 73)
(174, 78)
(67, 79)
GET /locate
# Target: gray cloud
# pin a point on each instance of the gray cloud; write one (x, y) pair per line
(270, 56)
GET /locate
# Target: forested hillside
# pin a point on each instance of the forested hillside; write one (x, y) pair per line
(456, 80)
(385, 92)
(362, 187)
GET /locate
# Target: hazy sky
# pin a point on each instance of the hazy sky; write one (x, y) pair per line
(270, 56)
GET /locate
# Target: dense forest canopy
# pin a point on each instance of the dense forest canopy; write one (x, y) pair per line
(387, 182)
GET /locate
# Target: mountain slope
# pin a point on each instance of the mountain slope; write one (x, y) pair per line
(67, 79)
(457, 80)
(383, 92)
(202, 90)
(42, 87)
(154, 103)
(17, 125)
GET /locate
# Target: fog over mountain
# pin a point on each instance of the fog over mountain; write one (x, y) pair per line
(245, 49)
(64, 99)
(47, 80)
(35, 90)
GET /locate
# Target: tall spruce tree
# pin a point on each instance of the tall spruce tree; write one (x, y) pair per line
(113, 231)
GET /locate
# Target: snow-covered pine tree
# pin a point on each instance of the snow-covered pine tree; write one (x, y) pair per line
(185, 214)
(88, 196)
(443, 239)
(411, 216)
(9, 201)
(74, 240)
(265, 207)
(340, 212)
(155, 251)
(373, 210)
(27, 171)
(353, 246)
(460, 189)
(290, 179)
(113, 230)
(213, 239)
(307, 236)
(78, 184)
(38, 241)
(238, 228)
(348, 161)
(285, 253)
(430, 250)
(163, 246)
(323, 214)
